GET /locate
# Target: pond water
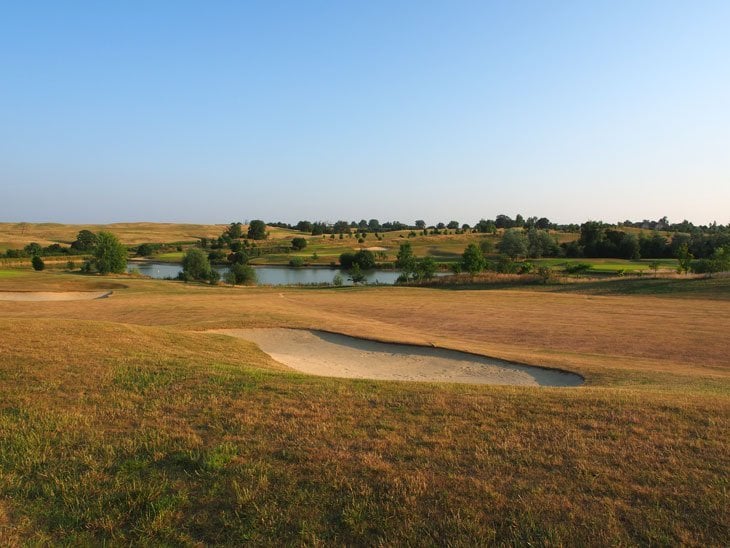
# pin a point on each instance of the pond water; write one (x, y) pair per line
(272, 275)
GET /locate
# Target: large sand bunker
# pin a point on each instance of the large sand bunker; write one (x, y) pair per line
(331, 355)
(52, 295)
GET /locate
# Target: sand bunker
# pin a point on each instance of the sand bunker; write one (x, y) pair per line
(52, 295)
(330, 355)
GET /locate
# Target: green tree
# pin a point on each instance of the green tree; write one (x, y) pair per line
(85, 241)
(541, 244)
(365, 259)
(356, 275)
(241, 274)
(145, 250)
(425, 269)
(654, 265)
(109, 254)
(513, 244)
(298, 243)
(33, 249)
(472, 260)
(684, 257)
(256, 230)
(235, 231)
(196, 265)
(37, 263)
(405, 259)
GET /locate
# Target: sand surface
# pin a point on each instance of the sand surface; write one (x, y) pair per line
(52, 295)
(330, 355)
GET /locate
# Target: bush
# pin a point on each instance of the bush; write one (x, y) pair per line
(196, 266)
(296, 262)
(241, 274)
(70, 265)
(256, 230)
(145, 250)
(109, 254)
(578, 268)
(38, 263)
(298, 243)
(338, 280)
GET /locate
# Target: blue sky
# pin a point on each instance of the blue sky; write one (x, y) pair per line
(217, 111)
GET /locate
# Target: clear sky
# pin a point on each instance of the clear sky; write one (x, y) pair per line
(233, 110)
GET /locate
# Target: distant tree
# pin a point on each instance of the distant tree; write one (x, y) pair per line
(356, 275)
(405, 260)
(33, 249)
(473, 260)
(513, 243)
(298, 243)
(109, 254)
(341, 227)
(304, 226)
(543, 223)
(347, 259)
(38, 263)
(195, 266)
(504, 221)
(338, 280)
(541, 244)
(684, 257)
(440, 226)
(420, 224)
(519, 221)
(486, 246)
(374, 224)
(256, 230)
(365, 259)
(486, 226)
(85, 241)
(425, 269)
(240, 274)
(145, 250)
(235, 231)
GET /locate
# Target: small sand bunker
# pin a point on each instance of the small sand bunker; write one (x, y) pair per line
(376, 248)
(330, 355)
(52, 295)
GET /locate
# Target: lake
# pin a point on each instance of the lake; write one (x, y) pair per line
(272, 275)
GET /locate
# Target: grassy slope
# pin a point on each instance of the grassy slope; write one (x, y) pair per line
(130, 428)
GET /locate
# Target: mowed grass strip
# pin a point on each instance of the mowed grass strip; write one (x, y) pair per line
(144, 435)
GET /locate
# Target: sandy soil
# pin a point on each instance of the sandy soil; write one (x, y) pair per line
(330, 355)
(376, 248)
(52, 295)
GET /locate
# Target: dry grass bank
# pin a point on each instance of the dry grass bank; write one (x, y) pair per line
(119, 424)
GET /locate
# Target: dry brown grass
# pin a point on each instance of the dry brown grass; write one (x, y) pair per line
(120, 425)
(593, 335)
(18, 235)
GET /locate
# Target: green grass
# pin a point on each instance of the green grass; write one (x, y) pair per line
(11, 273)
(610, 266)
(171, 257)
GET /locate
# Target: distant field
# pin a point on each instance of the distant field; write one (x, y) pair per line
(122, 422)
(18, 235)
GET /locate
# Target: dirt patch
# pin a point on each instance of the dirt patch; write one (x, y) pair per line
(332, 355)
(53, 295)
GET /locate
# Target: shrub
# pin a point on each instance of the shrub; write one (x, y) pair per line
(70, 265)
(145, 250)
(109, 254)
(196, 266)
(338, 280)
(37, 263)
(241, 274)
(298, 243)
(578, 268)
(296, 262)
